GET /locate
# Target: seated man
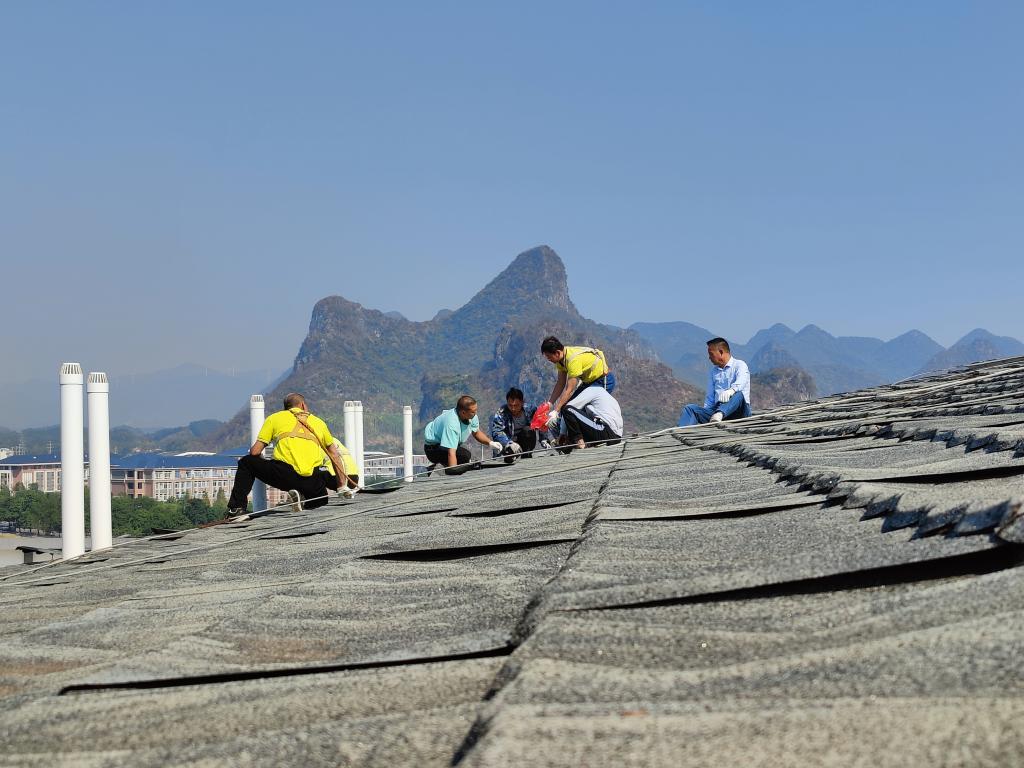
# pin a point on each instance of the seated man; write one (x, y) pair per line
(510, 426)
(578, 368)
(728, 394)
(444, 436)
(306, 460)
(593, 417)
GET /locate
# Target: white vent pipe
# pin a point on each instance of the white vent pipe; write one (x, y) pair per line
(98, 389)
(360, 456)
(257, 415)
(349, 413)
(72, 462)
(407, 441)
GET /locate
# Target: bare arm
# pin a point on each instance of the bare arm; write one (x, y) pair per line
(558, 388)
(257, 448)
(452, 459)
(567, 390)
(481, 437)
(339, 466)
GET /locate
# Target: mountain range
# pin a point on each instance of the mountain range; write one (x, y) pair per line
(484, 347)
(489, 344)
(834, 363)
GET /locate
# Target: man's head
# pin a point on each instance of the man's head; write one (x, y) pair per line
(718, 351)
(552, 349)
(465, 409)
(294, 400)
(514, 401)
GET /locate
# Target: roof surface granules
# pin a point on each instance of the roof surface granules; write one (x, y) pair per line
(831, 583)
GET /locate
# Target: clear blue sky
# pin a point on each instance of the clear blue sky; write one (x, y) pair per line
(182, 181)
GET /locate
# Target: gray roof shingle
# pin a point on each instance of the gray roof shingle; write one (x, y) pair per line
(830, 583)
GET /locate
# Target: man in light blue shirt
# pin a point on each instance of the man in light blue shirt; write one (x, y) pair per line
(444, 436)
(728, 394)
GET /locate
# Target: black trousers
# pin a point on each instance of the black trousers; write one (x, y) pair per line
(581, 424)
(282, 476)
(527, 439)
(437, 454)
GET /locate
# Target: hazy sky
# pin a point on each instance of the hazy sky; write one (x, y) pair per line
(182, 181)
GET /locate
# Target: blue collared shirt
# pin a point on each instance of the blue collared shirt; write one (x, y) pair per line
(733, 375)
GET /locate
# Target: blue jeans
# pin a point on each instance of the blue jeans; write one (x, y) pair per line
(607, 381)
(735, 408)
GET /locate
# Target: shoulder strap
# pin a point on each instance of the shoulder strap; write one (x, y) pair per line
(597, 353)
(302, 430)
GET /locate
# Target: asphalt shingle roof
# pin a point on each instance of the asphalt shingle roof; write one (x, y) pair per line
(831, 583)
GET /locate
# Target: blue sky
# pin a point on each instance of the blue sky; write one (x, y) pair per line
(181, 182)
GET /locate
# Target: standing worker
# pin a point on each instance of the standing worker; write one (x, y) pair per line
(306, 460)
(444, 436)
(578, 368)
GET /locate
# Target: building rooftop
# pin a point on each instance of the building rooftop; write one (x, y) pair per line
(830, 583)
(20, 460)
(135, 460)
(171, 461)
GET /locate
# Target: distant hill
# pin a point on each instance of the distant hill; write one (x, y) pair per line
(483, 347)
(977, 345)
(680, 346)
(781, 385)
(123, 439)
(834, 363)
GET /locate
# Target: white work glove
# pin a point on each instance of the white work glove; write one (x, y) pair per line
(496, 446)
(545, 445)
(726, 395)
(552, 419)
(515, 448)
(349, 493)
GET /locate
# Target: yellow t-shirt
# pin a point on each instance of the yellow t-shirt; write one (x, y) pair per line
(582, 363)
(302, 454)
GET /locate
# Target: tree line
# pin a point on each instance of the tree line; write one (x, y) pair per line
(30, 511)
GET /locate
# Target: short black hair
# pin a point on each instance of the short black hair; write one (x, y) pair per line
(551, 344)
(514, 394)
(293, 400)
(464, 402)
(719, 343)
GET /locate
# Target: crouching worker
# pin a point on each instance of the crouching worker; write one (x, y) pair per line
(306, 460)
(444, 436)
(591, 418)
(728, 395)
(578, 368)
(510, 426)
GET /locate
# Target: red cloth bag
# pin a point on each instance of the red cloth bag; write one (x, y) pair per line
(540, 418)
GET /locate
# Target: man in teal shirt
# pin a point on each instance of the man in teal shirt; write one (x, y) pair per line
(444, 436)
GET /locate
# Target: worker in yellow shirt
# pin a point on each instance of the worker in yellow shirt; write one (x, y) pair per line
(307, 459)
(578, 368)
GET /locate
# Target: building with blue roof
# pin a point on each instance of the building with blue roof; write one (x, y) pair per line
(162, 476)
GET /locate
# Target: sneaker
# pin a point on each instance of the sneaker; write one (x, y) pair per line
(716, 417)
(238, 513)
(295, 500)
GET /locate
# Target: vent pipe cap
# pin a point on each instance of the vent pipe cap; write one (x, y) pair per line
(71, 373)
(98, 382)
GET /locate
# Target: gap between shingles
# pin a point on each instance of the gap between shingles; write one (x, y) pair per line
(1002, 557)
(265, 674)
